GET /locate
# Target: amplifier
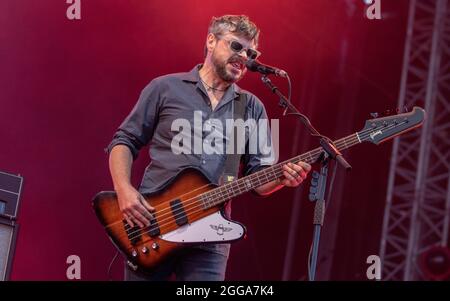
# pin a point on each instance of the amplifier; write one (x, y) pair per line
(10, 190)
(8, 236)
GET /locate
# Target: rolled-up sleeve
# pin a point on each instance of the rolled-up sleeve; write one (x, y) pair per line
(138, 127)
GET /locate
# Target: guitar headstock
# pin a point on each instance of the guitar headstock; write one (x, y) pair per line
(381, 129)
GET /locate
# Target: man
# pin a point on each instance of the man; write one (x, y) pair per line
(211, 90)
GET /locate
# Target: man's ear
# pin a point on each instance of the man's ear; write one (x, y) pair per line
(211, 42)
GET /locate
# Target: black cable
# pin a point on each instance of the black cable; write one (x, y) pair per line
(309, 261)
(289, 87)
(330, 189)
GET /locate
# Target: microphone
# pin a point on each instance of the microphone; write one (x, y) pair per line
(256, 66)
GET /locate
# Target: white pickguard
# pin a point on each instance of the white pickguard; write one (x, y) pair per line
(213, 228)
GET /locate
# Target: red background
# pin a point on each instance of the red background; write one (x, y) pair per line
(66, 86)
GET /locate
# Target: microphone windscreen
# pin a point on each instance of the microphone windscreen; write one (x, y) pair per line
(252, 65)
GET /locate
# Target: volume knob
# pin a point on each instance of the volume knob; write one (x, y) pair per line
(145, 250)
(134, 253)
(155, 246)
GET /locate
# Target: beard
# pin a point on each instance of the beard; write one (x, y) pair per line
(220, 67)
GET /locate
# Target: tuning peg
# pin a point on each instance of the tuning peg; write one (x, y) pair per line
(387, 113)
(405, 109)
(374, 115)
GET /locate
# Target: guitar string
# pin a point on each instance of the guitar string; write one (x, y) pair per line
(215, 193)
(234, 183)
(353, 140)
(320, 150)
(194, 205)
(189, 209)
(198, 198)
(232, 186)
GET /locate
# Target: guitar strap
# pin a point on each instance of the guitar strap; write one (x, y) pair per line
(233, 158)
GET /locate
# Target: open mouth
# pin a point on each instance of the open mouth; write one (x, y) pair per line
(237, 65)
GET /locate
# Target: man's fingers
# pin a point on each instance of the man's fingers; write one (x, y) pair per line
(294, 170)
(295, 174)
(288, 176)
(301, 167)
(296, 167)
(142, 209)
(147, 205)
(129, 221)
(139, 219)
(305, 166)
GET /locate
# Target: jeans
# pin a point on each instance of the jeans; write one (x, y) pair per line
(205, 262)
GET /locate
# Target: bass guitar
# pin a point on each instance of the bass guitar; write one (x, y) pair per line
(189, 209)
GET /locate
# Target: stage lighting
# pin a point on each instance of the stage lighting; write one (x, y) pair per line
(435, 263)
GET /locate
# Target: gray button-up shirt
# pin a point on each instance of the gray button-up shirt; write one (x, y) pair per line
(176, 97)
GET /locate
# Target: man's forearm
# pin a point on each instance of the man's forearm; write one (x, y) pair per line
(120, 162)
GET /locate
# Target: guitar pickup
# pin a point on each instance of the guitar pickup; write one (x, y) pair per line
(178, 212)
(133, 233)
(153, 228)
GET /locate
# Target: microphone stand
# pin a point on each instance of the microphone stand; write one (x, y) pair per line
(319, 180)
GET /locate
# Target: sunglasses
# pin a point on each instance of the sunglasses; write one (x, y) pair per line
(238, 47)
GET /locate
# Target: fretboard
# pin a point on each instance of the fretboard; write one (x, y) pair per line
(232, 189)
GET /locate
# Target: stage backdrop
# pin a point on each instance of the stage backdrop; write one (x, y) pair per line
(67, 84)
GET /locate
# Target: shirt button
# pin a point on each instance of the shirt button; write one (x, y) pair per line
(203, 162)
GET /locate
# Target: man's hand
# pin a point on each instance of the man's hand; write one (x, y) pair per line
(294, 174)
(134, 207)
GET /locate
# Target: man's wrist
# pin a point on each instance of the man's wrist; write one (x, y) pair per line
(123, 187)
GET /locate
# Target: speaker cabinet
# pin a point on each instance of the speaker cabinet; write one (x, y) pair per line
(8, 236)
(10, 190)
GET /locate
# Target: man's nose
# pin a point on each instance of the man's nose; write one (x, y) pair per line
(243, 54)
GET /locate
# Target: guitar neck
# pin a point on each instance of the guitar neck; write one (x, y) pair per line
(225, 192)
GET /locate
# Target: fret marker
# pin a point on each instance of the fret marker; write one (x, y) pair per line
(248, 183)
